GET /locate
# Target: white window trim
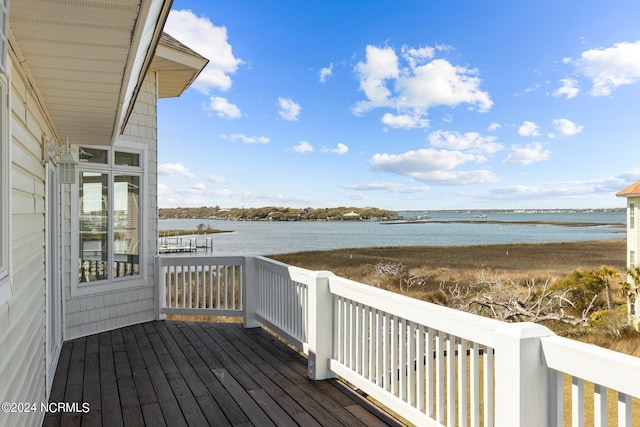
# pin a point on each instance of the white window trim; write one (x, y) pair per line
(112, 284)
(5, 186)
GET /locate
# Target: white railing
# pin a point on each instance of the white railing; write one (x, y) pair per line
(430, 364)
(605, 370)
(201, 285)
(281, 302)
(422, 360)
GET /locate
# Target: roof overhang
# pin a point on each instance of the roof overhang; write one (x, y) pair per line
(87, 60)
(631, 191)
(177, 66)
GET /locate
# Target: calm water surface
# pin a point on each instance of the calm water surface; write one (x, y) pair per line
(266, 238)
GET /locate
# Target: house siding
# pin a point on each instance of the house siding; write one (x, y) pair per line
(633, 243)
(22, 317)
(101, 311)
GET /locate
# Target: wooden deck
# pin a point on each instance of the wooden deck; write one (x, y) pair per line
(198, 374)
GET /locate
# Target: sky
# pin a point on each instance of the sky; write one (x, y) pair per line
(411, 105)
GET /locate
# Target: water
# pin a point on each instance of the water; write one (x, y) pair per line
(267, 238)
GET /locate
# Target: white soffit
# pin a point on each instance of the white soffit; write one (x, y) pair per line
(85, 57)
(177, 66)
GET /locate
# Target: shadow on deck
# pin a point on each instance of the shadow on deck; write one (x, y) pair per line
(198, 374)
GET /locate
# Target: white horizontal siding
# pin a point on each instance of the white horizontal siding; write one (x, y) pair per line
(22, 318)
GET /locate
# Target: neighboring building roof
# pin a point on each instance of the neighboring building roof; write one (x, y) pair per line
(630, 191)
(177, 66)
(87, 60)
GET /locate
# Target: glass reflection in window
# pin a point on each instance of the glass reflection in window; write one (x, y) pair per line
(126, 228)
(94, 226)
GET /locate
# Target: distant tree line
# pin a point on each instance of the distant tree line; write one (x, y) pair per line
(273, 213)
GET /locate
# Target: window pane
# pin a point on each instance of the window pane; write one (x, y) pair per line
(94, 227)
(126, 229)
(126, 159)
(93, 155)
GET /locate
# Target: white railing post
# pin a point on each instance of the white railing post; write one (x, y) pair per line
(320, 326)
(521, 379)
(250, 293)
(161, 287)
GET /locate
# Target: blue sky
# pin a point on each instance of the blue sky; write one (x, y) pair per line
(404, 105)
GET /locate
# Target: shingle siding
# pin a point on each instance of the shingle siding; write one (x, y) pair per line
(90, 314)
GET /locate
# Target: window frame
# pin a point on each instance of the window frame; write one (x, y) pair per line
(112, 283)
(632, 215)
(6, 290)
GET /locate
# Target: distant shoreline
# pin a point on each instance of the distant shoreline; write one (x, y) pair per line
(480, 221)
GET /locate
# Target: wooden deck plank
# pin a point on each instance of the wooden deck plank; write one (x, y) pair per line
(276, 413)
(164, 396)
(248, 361)
(58, 387)
(179, 373)
(295, 386)
(225, 375)
(109, 396)
(205, 363)
(75, 378)
(152, 415)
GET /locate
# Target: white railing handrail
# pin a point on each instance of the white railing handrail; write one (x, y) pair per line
(186, 261)
(312, 309)
(297, 274)
(459, 323)
(615, 370)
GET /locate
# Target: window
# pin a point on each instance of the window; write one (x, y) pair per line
(5, 185)
(632, 259)
(632, 215)
(110, 217)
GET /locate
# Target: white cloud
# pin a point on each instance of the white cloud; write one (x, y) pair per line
(216, 178)
(528, 154)
(441, 83)
(289, 110)
(303, 147)
(381, 65)
(470, 141)
(372, 186)
(210, 41)
(175, 169)
(422, 83)
(405, 121)
(224, 108)
(611, 67)
(198, 186)
(392, 187)
(528, 129)
(493, 126)
(326, 72)
(569, 88)
(163, 189)
(417, 56)
(520, 192)
(431, 165)
(340, 149)
(246, 139)
(567, 127)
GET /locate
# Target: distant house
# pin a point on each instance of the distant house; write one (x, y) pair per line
(79, 83)
(351, 216)
(632, 194)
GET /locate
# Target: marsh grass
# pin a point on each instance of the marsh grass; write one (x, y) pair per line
(450, 265)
